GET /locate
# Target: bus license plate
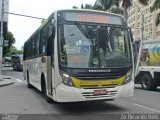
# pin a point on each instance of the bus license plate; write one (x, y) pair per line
(100, 92)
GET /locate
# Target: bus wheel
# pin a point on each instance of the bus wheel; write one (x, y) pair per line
(14, 67)
(44, 91)
(148, 83)
(28, 84)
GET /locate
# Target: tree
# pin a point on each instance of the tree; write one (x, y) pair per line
(13, 50)
(75, 7)
(86, 6)
(110, 5)
(97, 7)
(107, 4)
(126, 4)
(144, 2)
(116, 10)
(155, 6)
(11, 40)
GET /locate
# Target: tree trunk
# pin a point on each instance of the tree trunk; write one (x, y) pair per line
(125, 13)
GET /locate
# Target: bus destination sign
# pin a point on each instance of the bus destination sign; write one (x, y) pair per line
(94, 18)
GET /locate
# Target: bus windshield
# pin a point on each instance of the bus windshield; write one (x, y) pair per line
(93, 46)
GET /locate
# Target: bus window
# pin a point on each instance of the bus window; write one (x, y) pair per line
(43, 41)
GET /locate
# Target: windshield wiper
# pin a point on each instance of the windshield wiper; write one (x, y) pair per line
(83, 31)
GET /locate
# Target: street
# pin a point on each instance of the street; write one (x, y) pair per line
(18, 99)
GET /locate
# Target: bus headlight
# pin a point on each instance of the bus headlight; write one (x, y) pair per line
(66, 79)
(128, 77)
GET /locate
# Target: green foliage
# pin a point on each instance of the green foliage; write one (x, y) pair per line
(97, 7)
(126, 4)
(86, 6)
(105, 4)
(155, 6)
(116, 10)
(75, 7)
(144, 2)
(10, 49)
(108, 5)
(11, 40)
(158, 19)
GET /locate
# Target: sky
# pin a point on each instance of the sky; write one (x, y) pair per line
(23, 27)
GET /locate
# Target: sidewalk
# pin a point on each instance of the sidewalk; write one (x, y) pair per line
(5, 80)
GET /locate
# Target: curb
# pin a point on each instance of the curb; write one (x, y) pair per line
(6, 84)
(5, 81)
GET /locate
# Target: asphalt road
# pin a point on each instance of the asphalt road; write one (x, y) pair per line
(18, 99)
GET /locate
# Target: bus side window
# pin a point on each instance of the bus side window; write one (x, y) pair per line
(30, 48)
(33, 46)
(50, 46)
(43, 41)
(51, 34)
(37, 43)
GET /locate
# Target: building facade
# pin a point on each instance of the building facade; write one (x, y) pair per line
(151, 31)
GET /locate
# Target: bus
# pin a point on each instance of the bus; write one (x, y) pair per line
(80, 55)
(17, 62)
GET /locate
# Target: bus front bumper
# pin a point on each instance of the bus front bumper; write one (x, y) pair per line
(71, 94)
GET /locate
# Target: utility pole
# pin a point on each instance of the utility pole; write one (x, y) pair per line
(142, 26)
(1, 36)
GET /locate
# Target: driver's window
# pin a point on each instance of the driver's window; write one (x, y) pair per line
(119, 40)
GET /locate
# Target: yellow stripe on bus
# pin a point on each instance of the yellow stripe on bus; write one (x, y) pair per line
(97, 83)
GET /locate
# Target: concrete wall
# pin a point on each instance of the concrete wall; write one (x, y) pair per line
(5, 20)
(6, 9)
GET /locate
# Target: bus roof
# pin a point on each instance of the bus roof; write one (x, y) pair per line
(89, 10)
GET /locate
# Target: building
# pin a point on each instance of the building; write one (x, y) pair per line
(151, 31)
(5, 20)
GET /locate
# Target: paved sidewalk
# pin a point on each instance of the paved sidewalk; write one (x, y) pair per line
(5, 80)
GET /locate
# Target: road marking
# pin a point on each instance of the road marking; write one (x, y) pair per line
(146, 107)
(19, 80)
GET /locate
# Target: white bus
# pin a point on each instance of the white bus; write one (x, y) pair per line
(80, 55)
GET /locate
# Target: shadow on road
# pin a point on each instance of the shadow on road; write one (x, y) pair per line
(97, 107)
(89, 107)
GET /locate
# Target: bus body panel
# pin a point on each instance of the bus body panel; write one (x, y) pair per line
(71, 94)
(57, 77)
(36, 69)
(49, 75)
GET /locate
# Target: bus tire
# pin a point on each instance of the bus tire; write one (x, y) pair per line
(28, 84)
(14, 67)
(148, 83)
(44, 91)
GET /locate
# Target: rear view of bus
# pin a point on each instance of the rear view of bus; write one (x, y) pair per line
(87, 56)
